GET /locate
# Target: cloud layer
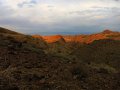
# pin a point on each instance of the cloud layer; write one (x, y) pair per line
(33, 16)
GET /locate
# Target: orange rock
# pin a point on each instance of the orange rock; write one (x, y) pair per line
(51, 39)
(80, 38)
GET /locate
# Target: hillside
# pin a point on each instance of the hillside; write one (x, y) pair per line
(29, 63)
(6, 31)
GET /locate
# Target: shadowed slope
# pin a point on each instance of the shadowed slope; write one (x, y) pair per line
(6, 31)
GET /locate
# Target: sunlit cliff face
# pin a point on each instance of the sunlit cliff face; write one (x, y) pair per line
(106, 34)
(36, 16)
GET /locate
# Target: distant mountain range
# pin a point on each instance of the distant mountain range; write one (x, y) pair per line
(106, 34)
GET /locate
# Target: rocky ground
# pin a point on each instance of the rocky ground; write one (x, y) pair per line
(27, 63)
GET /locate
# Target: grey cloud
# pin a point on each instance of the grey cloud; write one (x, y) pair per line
(116, 0)
(22, 24)
(5, 11)
(110, 11)
(26, 3)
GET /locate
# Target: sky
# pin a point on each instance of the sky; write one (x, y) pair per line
(60, 16)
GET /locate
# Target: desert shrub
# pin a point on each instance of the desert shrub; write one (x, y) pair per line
(104, 68)
(32, 48)
(39, 43)
(80, 72)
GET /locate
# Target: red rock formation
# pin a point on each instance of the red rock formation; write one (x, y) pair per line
(107, 31)
(51, 39)
(106, 34)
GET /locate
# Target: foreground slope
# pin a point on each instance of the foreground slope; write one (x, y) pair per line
(28, 63)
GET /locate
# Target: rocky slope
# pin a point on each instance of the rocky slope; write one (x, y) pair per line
(28, 63)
